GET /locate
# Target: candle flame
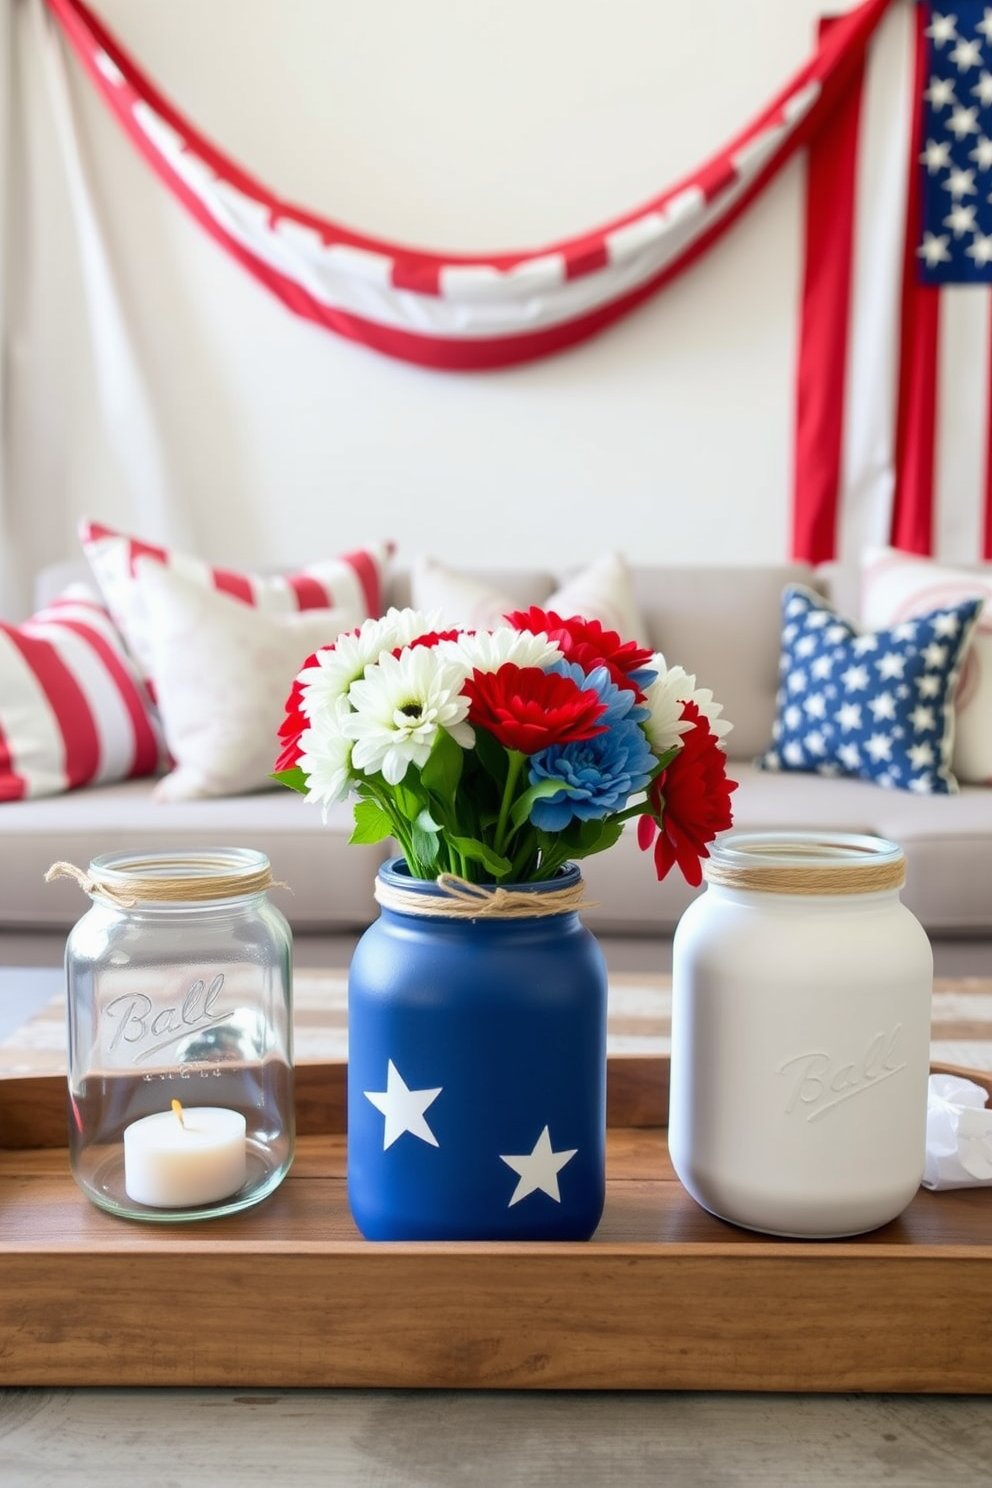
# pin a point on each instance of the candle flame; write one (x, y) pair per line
(177, 1108)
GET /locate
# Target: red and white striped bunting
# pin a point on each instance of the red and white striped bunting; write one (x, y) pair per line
(463, 312)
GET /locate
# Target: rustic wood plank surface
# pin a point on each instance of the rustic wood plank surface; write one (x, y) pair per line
(664, 1296)
(245, 1434)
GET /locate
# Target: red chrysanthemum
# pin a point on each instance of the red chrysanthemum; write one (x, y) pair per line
(294, 722)
(429, 638)
(691, 802)
(289, 755)
(529, 710)
(588, 643)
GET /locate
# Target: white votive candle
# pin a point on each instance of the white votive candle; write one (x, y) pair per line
(176, 1159)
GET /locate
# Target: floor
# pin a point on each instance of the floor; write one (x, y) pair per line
(450, 1439)
(386, 1439)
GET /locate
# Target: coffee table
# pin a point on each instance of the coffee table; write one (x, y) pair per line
(664, 1297)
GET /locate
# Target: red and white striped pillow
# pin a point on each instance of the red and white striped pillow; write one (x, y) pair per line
(352, 582)
(73, 710)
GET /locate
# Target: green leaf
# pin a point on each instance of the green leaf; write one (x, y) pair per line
(293, 777)
(580, 839)
(443, 769)
(477, 852)
(425, 846)
(372, 824)
(409, 800)
(592, 837)
(492, 756)
(536, 792)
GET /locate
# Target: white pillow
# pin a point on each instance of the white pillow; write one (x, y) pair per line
(900, 586)
(463, 600)
(602, 591)
(223, 671)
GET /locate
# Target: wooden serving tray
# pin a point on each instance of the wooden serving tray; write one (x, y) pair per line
(664, 1297)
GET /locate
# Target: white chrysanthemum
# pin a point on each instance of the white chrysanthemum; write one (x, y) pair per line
(487, 650)
(399, 705)
(340, 665)
(665, 696)
(326, 756)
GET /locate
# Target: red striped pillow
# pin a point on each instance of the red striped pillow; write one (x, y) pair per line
(73, 711)
(351, 582)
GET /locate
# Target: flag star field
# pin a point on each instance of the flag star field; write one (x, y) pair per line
(956, 162)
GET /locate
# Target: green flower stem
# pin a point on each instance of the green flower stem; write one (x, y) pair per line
(643, 808)
(515, 761)
(399, 824)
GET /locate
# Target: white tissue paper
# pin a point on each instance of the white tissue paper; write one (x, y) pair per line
(959, 1134)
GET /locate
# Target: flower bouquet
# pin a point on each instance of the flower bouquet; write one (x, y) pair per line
(500, 755)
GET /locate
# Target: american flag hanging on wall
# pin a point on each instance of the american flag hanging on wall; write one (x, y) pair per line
(893, 384)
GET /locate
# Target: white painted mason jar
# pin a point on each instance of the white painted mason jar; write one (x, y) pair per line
(801, 1000)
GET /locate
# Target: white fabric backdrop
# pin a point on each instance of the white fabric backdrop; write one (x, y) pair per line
(6, 146)
(154, 385)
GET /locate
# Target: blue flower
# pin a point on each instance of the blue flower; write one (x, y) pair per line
(603, 772)
(620, 702)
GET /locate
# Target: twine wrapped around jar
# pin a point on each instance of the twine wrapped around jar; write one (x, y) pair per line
(804, 866)
(457, 898)
(197, 884)
(179, 1000)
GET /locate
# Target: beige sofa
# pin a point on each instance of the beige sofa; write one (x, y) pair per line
(722, 623)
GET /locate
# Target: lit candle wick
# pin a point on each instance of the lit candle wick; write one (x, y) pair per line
(177, 1108)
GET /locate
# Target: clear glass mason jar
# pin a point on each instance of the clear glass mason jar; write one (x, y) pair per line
(801, 1001)
(180, 1029)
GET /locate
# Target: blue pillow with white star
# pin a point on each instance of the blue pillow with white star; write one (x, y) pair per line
(878, 704)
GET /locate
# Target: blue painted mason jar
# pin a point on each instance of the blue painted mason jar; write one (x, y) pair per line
(476, 1064)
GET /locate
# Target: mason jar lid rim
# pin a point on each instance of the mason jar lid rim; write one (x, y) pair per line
(804, 849)
(195, 864)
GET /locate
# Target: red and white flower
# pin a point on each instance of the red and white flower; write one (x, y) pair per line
(666, 696)
(500, 755)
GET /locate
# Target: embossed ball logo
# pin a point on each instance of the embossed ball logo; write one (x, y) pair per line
(818, 1082)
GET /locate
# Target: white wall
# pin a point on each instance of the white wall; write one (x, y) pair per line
(446, 125)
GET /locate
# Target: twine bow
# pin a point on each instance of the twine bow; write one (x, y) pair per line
(458, 899)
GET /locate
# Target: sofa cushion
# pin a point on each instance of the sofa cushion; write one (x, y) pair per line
(460, 600)
(330, 880)
(352, 581)
(600, 591)
(899, 586)
(223, 671)
(722, 625)
(73, 710)
(947, 841)
(875, 704)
